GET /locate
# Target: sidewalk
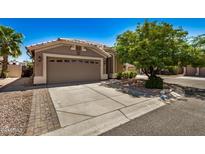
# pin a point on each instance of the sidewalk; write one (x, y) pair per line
(192, 82)
(6, 81)
(185, 81)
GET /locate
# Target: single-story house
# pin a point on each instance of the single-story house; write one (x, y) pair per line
(129, 67)
(68, 60)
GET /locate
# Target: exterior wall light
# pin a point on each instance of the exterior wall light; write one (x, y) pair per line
(39, 58)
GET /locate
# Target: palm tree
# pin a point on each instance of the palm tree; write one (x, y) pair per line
(10, 42)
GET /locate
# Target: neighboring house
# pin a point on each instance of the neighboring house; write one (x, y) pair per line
(14, 62)
(194, 71)
(67, 60)
(129, 67)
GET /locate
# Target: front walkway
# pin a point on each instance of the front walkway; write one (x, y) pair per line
(6, 81)
(92, 109)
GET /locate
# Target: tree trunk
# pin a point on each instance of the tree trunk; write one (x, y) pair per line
(152, 72)
(4, 66)
(145, 72)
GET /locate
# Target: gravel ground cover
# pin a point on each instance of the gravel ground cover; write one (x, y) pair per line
(133, 87)
(15, 108)
(136, 88)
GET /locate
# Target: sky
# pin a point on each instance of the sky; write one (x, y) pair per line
(100, 30)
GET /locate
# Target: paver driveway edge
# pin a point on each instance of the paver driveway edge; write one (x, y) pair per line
(91, 127)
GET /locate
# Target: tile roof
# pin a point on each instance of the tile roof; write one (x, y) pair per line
(70, 40)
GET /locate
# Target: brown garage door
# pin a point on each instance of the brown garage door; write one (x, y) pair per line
(60, 70)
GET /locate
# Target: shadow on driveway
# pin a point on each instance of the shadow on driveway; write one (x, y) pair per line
(23, 84)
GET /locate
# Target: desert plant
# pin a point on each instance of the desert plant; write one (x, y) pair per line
(27, 70)
(154, 82)
(125, 75)
(10, 42)
(119, 75)
(130, 74)
(134, 74)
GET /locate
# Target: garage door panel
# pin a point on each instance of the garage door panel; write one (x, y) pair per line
(61, 70)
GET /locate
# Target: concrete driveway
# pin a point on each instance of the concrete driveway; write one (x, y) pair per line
(91, 109)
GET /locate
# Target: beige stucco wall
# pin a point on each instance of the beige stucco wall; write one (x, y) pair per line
(62, 50)
(192, 71)
(14, 70)
(104, 66)
(202, 71)
(119, 66)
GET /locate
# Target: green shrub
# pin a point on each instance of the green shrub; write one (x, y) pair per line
(134, 74)
(173, 70)
(125, 75)
(130, 75)
(119, 75)
(154, 82)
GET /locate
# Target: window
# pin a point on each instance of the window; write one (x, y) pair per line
(51, 60)
(78, 48)
(73, 47)
(96, 62)
(91, 62)
(59, 61)
(86, 61)
(80, 61)
(73, 60)
(67, 61)
(84, 49)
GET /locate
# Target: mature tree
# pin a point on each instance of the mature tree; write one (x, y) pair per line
(10, 42)
(154, 46)
(198, 44)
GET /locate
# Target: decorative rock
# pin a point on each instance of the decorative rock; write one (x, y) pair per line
(162, 92)
(163, 97)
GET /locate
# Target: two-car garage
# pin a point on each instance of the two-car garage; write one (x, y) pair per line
(61, 70)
